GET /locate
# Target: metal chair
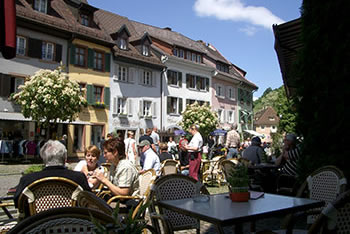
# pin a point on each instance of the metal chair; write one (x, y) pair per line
(169, 166)
(171, 187)
(214, 173)
(48, 193)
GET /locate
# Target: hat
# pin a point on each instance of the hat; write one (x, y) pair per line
(291, 137)
(144, 142)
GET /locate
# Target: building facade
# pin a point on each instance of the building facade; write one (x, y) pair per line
(266, 122)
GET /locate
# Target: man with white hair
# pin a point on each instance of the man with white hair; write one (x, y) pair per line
(290, 155)
(54, 155)
(232, 142)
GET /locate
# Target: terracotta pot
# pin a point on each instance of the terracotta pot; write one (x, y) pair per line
(240, 196)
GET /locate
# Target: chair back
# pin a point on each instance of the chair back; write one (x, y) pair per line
(146, 179)
(89, 200)
(62, 220)
(227, 167)
(169, 166)
(48, 193)
(172, 187)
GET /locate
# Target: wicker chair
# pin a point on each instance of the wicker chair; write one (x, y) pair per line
(214, 173)
(102, 187)
(169, 166)
(171, 187)
(48, 193)
(227, 166)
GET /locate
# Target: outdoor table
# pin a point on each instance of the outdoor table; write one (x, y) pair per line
(264, 166)
(221, 211)
(4, 205)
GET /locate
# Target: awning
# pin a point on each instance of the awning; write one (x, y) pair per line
(8, 28)
(19, 117)
(254, 133)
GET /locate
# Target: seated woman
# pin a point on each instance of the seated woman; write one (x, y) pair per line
(90, 165)
(124, 177)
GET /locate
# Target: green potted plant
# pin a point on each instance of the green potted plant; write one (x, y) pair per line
(238, 183)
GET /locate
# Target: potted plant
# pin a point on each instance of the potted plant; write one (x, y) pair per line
(238, 181)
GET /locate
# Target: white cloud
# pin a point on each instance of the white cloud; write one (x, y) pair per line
(236, 10)
(249, 30)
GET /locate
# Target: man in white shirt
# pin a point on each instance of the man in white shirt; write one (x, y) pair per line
(155, 138)
(194, 149)
(151, 158)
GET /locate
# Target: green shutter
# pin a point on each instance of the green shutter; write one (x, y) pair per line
(180, 105)
(89, 94)
(107, 96)
(107, 62)
(239, 94)
(72, 54)
(90, 58)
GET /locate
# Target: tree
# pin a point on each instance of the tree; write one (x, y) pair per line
(49, 96)
(200, 115)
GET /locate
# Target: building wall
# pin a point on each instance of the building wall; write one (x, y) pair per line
(267, 131)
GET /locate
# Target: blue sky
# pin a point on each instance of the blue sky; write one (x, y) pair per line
(239, 29)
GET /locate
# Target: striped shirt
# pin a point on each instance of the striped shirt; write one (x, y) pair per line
(290, 167)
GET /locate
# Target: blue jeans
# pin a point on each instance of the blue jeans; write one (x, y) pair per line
(232, 153)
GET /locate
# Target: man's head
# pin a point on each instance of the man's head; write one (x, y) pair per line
(148, 131)
(131, 134)
(144, 145)
(64, 137)
(290, 140)
(194, 129)
(155, 129)
(163, 147)
(53, 153)
(109, 136)
(256, 141)
(234, 126)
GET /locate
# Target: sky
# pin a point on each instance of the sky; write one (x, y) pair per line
(240, 29)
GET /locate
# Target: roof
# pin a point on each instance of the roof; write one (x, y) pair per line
(65, 20)
(267, 116)
(287, 45)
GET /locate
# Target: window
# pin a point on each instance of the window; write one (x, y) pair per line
(222, 67)
(201, 83)
(175, 52)
(262, 127)
(21, 45)
(122, 73)
(273, 127)
(174, 105)
(98, 94)
(194, 57)
(147, 108)
(40, 5)
(199, 58)
(82, 89)
(84, 20)
(78, 137)
(98, 61)
(147, 78)
(47, 51)
(174, 78)
(230, 116)
(18, 82)
(121, 107)
(191, 81)
(230, 93)
(181, 53)
(190, 101)
(145, 50)
(122, 44)
(219, 91)
(271, 118)
(188, 55)
(80, 56)
(221, 115)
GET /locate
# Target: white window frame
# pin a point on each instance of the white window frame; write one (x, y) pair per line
(199, 58)
(177, 108)
(175, 52)
(194, 57)
(147, 78)
(147, 109)
(221, 113)
(122, 73)
(40, 5)
(122, 43)
(177, 78)
(45, 51)
(145, 50)
(181, 53)
(221, 88)
(230, 116)
(122, 105)
(18, 48)
(202, 79)
(231, 93)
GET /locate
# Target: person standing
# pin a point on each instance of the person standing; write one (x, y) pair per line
(130, 147)
(155, 138)
(194, 149)
(184, 162)
(232, 142)
(148, 138)
(172, 147)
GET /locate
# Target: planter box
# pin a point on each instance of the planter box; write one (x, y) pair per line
(240, 196)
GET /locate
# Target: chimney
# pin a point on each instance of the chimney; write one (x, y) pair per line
(167, 28)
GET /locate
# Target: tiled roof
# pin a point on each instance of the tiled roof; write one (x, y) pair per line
(265, 116)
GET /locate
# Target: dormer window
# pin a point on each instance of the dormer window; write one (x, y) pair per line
(122, 44)
(84, 20)
(145, 50)
(40, 5)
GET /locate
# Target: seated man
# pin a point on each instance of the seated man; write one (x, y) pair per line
(290, 155)
(151, 158)
(254, 153)
(54, 155)
(164, 154)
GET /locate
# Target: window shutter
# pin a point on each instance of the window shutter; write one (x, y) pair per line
(168, 105)
(228, 92)
(116, 71)
(207, 84)
(180, 79)
(239, 96)
(141, 76)
(107, 96)
(58, 53)
(131, 74)
(89, 94)
(34, 48)
(187, 80)
(129, 107)
(107, 62)
(154, 109)
(90, 58)
(154, 78)
(180, 105)
(72, 54)
(114, 105)
(141, 108)
(216, 89)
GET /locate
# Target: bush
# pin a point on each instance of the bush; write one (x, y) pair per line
(33, 168)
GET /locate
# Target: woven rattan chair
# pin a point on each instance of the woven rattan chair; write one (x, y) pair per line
(48, 193)
(214, 173)
(171, 187)
(169, 166)
(227, 166)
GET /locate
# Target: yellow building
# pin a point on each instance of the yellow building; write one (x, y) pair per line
(89, 65)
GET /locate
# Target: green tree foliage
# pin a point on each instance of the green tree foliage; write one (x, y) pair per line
(200, 115)
(323, 69)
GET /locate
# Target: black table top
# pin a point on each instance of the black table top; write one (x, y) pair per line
(220, 210)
